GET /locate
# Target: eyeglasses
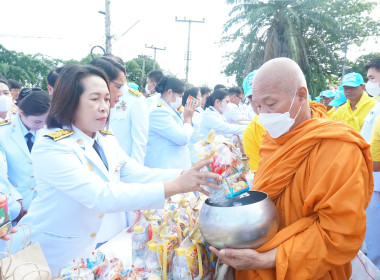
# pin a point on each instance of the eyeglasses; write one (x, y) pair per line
(120, 85)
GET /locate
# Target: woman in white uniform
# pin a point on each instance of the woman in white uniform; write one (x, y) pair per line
(196, 93)
(17, 138)
(169, 134)
(217, 104)
(82, 172)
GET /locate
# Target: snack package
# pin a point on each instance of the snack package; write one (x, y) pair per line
(192, 100)
(165, 252)
(235, 184)
(5, 217)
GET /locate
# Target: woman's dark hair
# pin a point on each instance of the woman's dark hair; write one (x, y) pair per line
(205, 90)
(191, 91)
(155, 75)
(35, 102)
(67, 92)
(174, 84)
(109, 66)
(53, 76)
(218, 94)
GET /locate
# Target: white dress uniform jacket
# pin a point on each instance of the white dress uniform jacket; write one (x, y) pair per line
(19, 161)
(237, 114)
(7, 188)
(153, 99)
(168, 138)
(75, 190)
(212, 119)
(195, 137)
(129, 121)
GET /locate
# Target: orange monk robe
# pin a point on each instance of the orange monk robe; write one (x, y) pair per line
(320, 177)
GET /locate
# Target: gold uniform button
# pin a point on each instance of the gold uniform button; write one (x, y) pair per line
(93, 235)
(31, 188)
(101, 215)
(31, 175)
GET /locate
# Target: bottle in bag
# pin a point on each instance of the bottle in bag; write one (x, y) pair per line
(138, 248)
(152, 263)
(180, 268)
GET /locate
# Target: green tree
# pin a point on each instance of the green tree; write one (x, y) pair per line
(311, 32)
(134, 70)
(30, 70)
(358, 65)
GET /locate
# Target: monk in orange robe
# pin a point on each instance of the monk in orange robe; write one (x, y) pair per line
(318, 172)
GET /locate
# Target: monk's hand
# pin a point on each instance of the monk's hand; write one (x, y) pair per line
(246, 259)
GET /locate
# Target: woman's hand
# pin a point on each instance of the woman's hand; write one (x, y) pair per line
(188, 112)
(7, 236)
(191, 179)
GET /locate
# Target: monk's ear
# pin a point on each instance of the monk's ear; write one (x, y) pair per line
(303, 94)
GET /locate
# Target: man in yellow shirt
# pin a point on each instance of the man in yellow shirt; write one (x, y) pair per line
(359, 103)
(253, 133)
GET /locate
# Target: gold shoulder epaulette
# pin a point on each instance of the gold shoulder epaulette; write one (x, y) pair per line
(5, 122)
(103, 131)
(59, 134)
(181, 109)
(159, 104)
(135, 92)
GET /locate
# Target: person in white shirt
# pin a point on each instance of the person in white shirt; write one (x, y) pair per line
(83, 176)
(152, 79)
(169, 134)
(237, 113)
(205, 92)
(17, 138)
(195, 92)
(213, 116)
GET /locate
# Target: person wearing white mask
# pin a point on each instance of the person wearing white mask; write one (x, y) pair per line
(237, 113)
(371, 126)
(169, 134)
(216, 107)
(5, 101)
(152, 80)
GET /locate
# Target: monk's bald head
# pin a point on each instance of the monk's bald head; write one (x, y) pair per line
(279, 86)
(281, 74)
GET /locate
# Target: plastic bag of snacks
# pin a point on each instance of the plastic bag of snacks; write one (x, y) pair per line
(228, 161)
(5, 217)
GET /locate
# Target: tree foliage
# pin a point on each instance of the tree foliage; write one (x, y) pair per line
(358, 65)
(311, 32)
(30, 70)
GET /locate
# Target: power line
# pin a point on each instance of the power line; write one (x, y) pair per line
(188, 42)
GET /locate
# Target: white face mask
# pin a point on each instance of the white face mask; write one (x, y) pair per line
(5, 103)
(147, 90)
(177, 103)
(226, 107)
(278, 124)
(373, 88)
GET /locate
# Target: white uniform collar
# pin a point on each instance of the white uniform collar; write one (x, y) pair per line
(89, 140)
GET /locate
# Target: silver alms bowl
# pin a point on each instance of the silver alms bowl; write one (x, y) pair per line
(247, 226)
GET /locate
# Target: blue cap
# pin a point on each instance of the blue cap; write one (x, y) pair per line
(328, 93)
(317, 99)
(248, 83)
(133, 85)
(352, 80)
(339, 99)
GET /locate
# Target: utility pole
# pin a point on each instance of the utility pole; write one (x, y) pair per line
(108, 28)
(345, 59)
(188, 43)
(143, 70)
(155, 49)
